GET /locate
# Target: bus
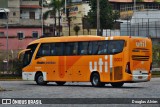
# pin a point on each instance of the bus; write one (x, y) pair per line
(100, 60)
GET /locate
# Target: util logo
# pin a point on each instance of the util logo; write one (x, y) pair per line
(99, 63)
(141, 43)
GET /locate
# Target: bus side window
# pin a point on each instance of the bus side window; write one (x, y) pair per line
(59, 47)
(83, 48)
(75, 48)
(44, 50)
(115, 46)
(52, 49)
(90, 48)
(95, 48)
(70, 48)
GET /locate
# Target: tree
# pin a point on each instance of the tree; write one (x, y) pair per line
(54, 7)
(76, 29)
(107, 15)
(156, 54)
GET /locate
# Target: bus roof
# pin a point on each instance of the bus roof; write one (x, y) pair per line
(77, 38)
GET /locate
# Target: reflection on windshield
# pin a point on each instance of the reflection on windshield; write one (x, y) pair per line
(28, 54)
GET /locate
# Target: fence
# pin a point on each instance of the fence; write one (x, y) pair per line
(14, 65)
(141, 27)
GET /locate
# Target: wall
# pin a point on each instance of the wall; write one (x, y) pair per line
(14, 43)
(77, 12)
(27, 31)
(3, 3)
(30, 2)
(25, 13)
(14, 14)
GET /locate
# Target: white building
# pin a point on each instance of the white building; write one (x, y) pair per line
(143, 23)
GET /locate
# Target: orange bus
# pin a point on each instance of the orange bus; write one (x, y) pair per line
(96, 59)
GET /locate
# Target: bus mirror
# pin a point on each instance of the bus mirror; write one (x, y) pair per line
(20, 54)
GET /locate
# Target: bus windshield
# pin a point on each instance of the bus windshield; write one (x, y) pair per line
(28, 54)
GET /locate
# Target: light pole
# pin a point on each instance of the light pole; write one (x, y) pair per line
(98, 19)
(134, 10)
(6, 36)
(59, 17)
(42, 17)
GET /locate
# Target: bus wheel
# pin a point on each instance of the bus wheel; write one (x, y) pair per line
(60, 83)
(39, 79)
(117, 84)
(95, 80)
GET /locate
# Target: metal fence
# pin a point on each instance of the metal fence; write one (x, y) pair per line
(141, 27)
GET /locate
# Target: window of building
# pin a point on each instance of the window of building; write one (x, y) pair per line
(51, 15)
(32, 15)
(35, 34)
(14, 13)
(3, 15)
(1, 34)
(20, 35)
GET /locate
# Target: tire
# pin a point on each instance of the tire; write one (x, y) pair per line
(60, 83)
(95, 80)
(117, 84)
(39, 79)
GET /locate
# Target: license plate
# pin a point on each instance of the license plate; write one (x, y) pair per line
(139, 77)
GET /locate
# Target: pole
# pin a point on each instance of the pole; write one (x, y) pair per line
(98, 19)
(134, 10)
(42, 17)
(69, 25)
(7, 38)
(59, 19)
(65, 6)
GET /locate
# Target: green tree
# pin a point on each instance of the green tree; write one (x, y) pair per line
(76, 29)
(107, 15)
(54, 8)
(156, 55)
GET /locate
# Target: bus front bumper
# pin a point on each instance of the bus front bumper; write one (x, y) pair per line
(28, 75)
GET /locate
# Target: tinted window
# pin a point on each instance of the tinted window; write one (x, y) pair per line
(102, 47)
(29, 54)
(44, 50)
(71, 48)
(83, 48)
(59, 47)
(115, 46)
(50, 49)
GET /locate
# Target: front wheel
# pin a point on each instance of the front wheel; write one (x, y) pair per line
(117, 84)
(39, 79)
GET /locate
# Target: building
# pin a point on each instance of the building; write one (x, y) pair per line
(24, 23)
(126, 7)
(51, 24)
(79, 8)
(76, 12)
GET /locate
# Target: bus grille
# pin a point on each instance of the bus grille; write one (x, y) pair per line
(140, 58)
(118, 73)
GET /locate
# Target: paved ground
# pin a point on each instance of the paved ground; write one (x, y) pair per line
(29, 89)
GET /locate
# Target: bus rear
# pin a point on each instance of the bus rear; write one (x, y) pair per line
(140, 59)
